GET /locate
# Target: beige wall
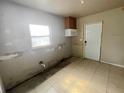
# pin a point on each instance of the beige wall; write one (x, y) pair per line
(77, 43)
(113, 35)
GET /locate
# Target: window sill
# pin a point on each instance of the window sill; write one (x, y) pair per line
(41, 47)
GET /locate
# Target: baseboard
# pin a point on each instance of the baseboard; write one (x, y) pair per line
(112, 64)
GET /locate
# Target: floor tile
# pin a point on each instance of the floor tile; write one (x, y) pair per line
(80, 76)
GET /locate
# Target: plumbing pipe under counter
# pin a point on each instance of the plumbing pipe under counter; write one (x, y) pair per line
(42, 64)
(2, 90)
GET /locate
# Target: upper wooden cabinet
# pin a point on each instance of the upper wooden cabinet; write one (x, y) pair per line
(70, 23)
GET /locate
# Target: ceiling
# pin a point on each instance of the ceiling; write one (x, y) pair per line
(72, 7)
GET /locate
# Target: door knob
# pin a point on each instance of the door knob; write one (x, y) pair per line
(85, 41)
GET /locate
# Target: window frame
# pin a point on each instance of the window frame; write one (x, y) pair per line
(40, 46)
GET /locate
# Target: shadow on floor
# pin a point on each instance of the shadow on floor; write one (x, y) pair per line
(30, 84)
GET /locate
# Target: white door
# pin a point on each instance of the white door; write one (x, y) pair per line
(93, 41)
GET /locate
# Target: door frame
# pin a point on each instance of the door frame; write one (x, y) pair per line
(84, 36)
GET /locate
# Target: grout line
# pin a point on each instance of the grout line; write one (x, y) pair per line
(108, 79)
(95, 71)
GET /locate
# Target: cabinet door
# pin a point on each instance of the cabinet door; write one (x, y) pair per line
(70, 23)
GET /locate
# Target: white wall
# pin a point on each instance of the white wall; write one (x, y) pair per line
(14, 25)
(113, 34)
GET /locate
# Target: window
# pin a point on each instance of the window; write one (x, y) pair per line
(40, 35)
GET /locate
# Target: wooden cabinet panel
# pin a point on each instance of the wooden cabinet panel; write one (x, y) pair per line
(70, 23)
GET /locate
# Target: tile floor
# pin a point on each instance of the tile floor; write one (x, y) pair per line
(80, 76)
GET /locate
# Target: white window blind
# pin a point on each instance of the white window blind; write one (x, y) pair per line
(40, 35)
